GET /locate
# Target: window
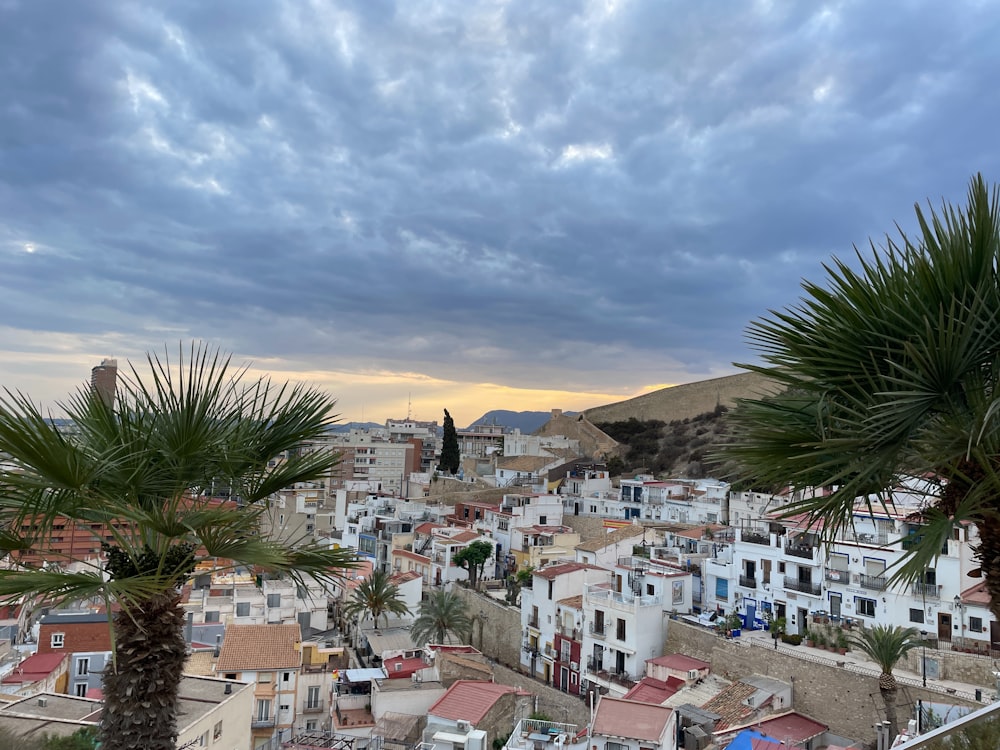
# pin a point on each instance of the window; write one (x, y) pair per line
(212, 616)
(217, 731)
(781, 567)
(620, 634)
(542, 520)
(80, 689)
(286, 676)
(865, 607)
(274, 600)
(550, 589)
(976, 624)
(312, 698)
(83, 666)
(265, 677)
(263, 712)
(230, 675)
(57, 640)
(242, 609)
(311, 725)
(917, 615)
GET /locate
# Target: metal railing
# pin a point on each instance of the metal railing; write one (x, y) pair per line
(932, 590)
(805, 587)
(875, 583)
(749, 582)
(800, 550)
(598, 629)
(313, 707)
(756, 538)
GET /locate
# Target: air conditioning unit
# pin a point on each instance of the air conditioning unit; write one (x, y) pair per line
(692, 674)
(464, 726)
(575, 666)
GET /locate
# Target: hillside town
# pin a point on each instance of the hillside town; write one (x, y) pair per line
(605, 612)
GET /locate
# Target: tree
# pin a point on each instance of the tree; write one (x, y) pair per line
(376, 596)
(473, 558)
(890, 371)
(441, 614)
(134, 473)
(983, 735)
(885, 646)
(451, 457)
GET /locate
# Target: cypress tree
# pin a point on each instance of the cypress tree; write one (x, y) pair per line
(450, 455)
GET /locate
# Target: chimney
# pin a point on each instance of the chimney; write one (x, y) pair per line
(218, 646)
(229, 688)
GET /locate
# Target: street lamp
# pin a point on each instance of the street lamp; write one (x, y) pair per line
(923, 657)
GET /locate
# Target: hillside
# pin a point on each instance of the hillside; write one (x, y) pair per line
(526, 421)
(683, 401)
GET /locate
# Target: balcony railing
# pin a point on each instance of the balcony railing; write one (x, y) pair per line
(804, 551)
(567, 632)
(597, 629)
(262, 722)
(594, 665)
(805, 587)
(532, 621)
(755, 537)
(748, 582)
(875, 583)
(313, 707)
(932, 590)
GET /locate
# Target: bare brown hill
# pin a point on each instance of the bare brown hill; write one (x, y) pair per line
(684, 401)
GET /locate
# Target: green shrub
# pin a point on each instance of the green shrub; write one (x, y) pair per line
(793, 639)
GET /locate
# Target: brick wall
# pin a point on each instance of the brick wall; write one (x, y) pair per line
(79, 637)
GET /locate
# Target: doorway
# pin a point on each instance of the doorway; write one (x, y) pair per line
(944, 626)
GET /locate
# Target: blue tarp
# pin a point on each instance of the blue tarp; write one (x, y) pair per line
(744, 740)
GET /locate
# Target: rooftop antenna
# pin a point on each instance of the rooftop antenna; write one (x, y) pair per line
(409, 405)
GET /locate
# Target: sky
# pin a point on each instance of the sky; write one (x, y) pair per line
(461, 204)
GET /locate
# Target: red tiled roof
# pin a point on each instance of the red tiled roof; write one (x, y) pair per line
(653, 691)
(792, 725)
(399, 667)
(617, 717)
(679, 662)
(551, 571)
(469, 700)
(408, 575)
(411, 555)
(247, 648)
(427, 528)
(572, 602)
(730, 707)
(465, 536)
(34, 668)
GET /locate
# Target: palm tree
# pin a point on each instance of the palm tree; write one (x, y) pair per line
(134, 474)
(890, 371)
(885, 646)
(440, 614)
(376, 596)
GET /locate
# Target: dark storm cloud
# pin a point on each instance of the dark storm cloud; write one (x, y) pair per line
(534, 193)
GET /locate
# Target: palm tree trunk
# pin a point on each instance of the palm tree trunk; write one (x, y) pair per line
(889, 698)
(140, 690)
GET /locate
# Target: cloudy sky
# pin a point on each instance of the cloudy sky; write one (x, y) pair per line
(469, 204)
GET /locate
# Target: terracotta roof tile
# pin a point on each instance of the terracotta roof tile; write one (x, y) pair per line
(469, 700)
(617, 717)
(618, 535)
(550, 572)
(260, 647)
(730, 706)
(679, 662)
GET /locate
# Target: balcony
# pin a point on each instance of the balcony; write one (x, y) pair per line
(805, 551)
(756, 537)
(597, 629)
(805, 587)
(930, 590)
(314, 707)
(262, 722)
(549, 652)
(594, 665)
(533, 621)
(837, 576)
(875, 583)
(748, 582)
(568, 632)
